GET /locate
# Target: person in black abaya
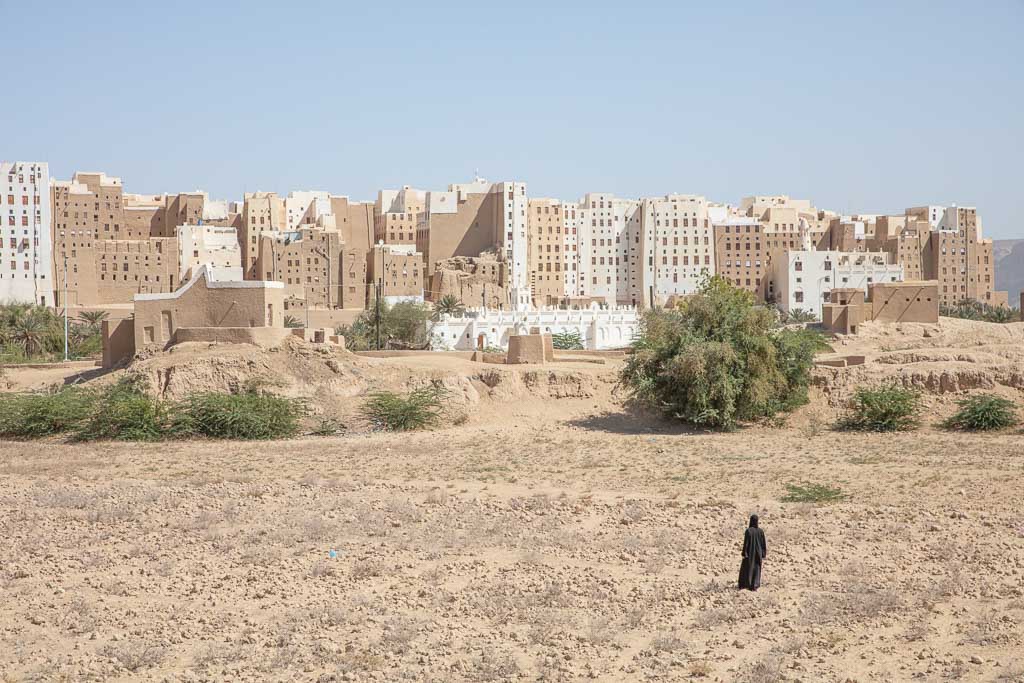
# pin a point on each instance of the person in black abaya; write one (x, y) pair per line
(754, 551)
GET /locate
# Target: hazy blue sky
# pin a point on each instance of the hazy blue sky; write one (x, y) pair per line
(859, 106)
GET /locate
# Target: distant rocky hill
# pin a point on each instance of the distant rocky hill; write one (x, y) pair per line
(1009, 261)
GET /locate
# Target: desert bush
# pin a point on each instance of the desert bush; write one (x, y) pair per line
(813, 493)
(493, 666)
(247, 416)
(37, 415)
(327, 426)
(567, 341)
(419, 409)
(718, 359)
(134, 655)
(124, 412)
(764, 671)
(884, 409)
(983, 412)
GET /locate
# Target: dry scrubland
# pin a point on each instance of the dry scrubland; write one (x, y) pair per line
(549, 536)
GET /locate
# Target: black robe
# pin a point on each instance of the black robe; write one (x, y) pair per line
(755, 549)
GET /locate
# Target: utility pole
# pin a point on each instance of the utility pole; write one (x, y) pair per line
(377, 290)
(380, 287)
(66, 356)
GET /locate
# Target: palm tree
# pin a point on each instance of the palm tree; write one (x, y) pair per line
(448, 305)
(292, 321)
(800, 315)
(92, 319)
(29, 331)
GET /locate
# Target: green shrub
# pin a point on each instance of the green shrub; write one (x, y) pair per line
(36, 415)
(813, 493)
(249, 416)
(983, 412)
(124, 412)
(567, 341)
(418, 409)
(884, 409)
(717, 359)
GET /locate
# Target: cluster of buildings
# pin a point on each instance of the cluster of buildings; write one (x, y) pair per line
(86, 243)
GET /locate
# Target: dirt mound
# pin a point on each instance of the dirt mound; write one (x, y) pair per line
(335, 382)
(950, 357)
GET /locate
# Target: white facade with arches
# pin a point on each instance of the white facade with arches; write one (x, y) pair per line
(599, 328)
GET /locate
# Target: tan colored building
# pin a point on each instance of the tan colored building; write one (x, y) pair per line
(741, 253)
(398, 269)
(262, 212)
(459, 224)
(90, 228)
(886, 302)
(548, 226)
(958, 257)
(396, 215)
(316, 268)
(905, 238)
(118, 245)
(479, 217)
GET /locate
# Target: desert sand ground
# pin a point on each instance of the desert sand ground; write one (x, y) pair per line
(551, 535)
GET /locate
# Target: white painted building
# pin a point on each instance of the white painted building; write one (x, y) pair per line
(600, 328)
(608, 246)
(26, 246)
(305, 207)
(804, 278)
(679, 245)
(514, 241)
(214, 247)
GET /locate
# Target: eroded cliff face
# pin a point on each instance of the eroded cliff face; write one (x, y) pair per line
(952, 356)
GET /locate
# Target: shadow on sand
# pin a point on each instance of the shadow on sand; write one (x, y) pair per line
(633, 421)
(85, 376)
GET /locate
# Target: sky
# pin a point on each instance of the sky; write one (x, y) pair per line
(862, 107)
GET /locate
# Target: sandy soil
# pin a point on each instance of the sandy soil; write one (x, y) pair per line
(552, 536)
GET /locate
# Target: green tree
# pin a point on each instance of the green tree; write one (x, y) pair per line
(404, 325)
(717, 359)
